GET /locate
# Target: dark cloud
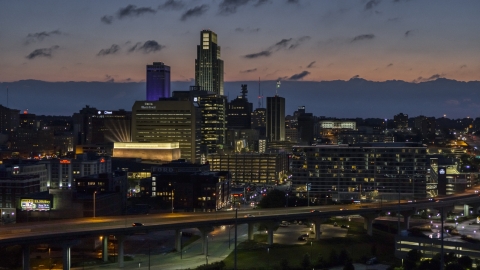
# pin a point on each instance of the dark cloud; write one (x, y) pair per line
(431, 78)
(39, 36)
(249, 70)
(133, 11)
(107, 19)
(112, 50)
(293, 1)
(363, 37)
(389, 65)
(311, 64)
(371, 4)
(395, 19)
(286, 43)
(298, 42)
(463, 66)
(109, 78)
(172, 5)
(299, 76)
(408, 33)
(194, 12)
(45, 52)
(147, 47)
(230, 6)
(355, 77)
(259, 54)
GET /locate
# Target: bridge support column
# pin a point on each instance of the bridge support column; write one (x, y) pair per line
(317, 222)
(204, 231)
(120, 240)
(178, 240)
(406, 218)
(26, 257)
(250, 231)
(105, 248)
(368, 222)
(466, 210)
(66, 256)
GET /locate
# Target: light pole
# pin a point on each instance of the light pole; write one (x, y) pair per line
(206, 253)
(172, 198)
(308, 193)
(181, 247)
(268, 258)
(311, 247)
(94, 203)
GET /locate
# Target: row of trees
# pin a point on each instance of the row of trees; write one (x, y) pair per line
(413, 261)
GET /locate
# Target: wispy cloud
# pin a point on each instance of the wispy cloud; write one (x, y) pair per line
(171, 5)
(355, 77)
(39, 36)
(371, 4)
(293, 1)
(247, 30)
(107, 19)
(109, 78)
(134, 11)
(463, 66)
(431, 78)
(149, 46)
(389, 65)
(128, 11)
(363, 37)
(286, 43)
(299, 76)
(44, 52)
(227, 7)
(249, 70)
(311, 65)
(112, 50)
(194, 12)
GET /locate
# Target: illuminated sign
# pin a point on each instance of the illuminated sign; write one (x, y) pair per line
(102, 160)
(64, 161)
(195, 99)
(441, 171)
(107, 112)
(35, 205)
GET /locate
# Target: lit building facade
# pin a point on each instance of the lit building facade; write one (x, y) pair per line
(275, 118)
(158, 81)
(168, 121)
(239, 111)
(251, 167)
(208, 65)
(363, 171)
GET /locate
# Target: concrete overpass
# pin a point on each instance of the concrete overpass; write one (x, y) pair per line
(68, 232)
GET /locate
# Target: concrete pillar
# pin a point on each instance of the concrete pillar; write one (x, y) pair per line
(66, 256)
(204, 235)
(105, 248)
(316, 227)
(178, 240)
(120, 240)
(368, 222)
(466, 210)
(406, 218)
(26, 257)
(270, 235)
(250, 231)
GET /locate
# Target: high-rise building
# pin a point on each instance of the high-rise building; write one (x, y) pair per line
(168, 121)
(158, 81)
(239, 111)
(400, 121)
(275, 118)
(208, 65)
(9, 120)
(213, 108)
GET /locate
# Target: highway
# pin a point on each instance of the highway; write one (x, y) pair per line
(35, 232)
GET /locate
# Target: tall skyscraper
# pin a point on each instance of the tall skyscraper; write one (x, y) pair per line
(239, 111)
(158, 81)
(208, 65)
(275, 118)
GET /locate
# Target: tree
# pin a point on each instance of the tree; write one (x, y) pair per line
(349, 266)
(333, 258)
(414, 255)
(343, 257)
(454, 266)
(373, 250)
(321, 263)
(465, 261)
(273, 199)
(305, 264)
(284, 264)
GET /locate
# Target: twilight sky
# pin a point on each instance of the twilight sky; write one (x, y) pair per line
(310, 40)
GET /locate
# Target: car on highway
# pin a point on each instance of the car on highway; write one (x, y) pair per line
(249, 215)
(137, 224)
(314, 211)
(301, 238)
(345, 226)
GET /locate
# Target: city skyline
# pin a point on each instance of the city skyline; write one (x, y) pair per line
(288, 40)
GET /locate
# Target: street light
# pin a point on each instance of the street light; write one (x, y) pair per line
(311, 247)
(94, 204)
(206, 253)
(181, 248)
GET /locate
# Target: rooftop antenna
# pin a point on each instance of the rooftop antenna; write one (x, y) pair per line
(276, 89)
(244, 91)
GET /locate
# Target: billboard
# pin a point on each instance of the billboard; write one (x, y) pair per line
(35, 204)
